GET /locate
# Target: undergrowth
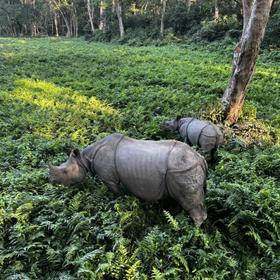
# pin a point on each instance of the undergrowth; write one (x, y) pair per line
(56, 93)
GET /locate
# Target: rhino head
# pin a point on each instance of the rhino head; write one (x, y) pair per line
(70, 172)
(199, 214)
(171, 125)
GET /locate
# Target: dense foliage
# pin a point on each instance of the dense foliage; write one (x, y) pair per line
(196, 20)
(56, 91)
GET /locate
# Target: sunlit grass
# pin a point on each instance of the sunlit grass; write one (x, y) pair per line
(51, 111)
(7, 55)
(47, 95)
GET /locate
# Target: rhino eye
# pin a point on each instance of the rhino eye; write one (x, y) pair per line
(65, 171)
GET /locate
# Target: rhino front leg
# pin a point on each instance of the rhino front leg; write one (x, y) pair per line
(198, 213)
(213, 155)
(189, 195)
(115, 188)
(195, 207)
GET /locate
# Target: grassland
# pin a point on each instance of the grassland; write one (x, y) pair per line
(56, 92)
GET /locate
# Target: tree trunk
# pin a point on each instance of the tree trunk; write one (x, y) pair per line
(216, 12)
(245, 56)
(33, 22)
(102, 22)
(66, 16)
(56, 25)
(247, 10)
(120, 19)
(163, 2)
(74, 20)
(189, 3)
(68, 27)
(90, 16)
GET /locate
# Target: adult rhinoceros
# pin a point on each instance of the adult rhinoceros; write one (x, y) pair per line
(150, 170)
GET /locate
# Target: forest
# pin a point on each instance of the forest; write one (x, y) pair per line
(137, 22)
(73, 72)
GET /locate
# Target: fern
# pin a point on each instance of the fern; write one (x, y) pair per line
(274, 226)
(261, 244)
(172, 221)
(132, 273)
(86, 273)
(157, 275)
(177, 257)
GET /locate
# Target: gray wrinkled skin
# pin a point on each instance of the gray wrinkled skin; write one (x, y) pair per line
(150, 170)
(197, 132)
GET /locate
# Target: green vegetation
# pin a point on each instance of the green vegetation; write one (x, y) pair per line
(57, 91)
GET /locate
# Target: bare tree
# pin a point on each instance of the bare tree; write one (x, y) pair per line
(256, 14)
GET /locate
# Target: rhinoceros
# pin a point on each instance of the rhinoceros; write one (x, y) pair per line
(197, 132)
(151, 170)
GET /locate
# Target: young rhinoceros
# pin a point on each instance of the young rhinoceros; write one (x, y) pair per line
(197, 132)
(150, 170)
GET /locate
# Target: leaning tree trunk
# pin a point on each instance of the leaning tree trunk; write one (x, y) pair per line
(256, 14)
(68, 27)
(161, 32)
(120, 18)
(90, 15)
(67, 23)
(246, 9)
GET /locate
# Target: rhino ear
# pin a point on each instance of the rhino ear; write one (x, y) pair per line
(51, 167)
(75, 153)
(220, 126)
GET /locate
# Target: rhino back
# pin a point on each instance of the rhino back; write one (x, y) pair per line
(141, 166)
(192, 130)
